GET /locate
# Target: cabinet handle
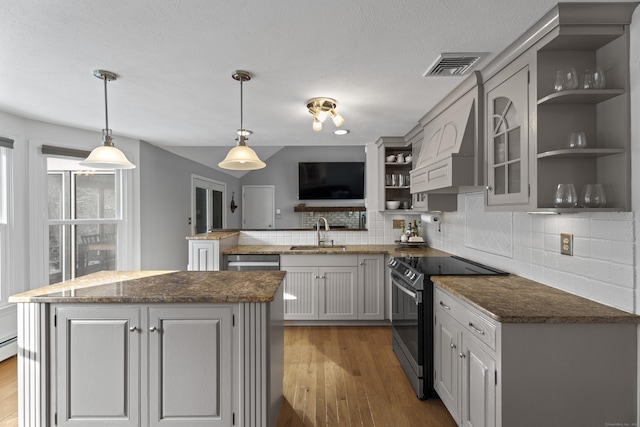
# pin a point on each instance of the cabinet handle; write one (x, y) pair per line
(153, 329)
(462, 355)
(133, 329)
(472, 326)
(445, 306)
(489, 188)
(453, 345)
(321, 277)
(361, 262)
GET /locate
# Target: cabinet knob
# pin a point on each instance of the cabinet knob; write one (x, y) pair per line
(133, 328)
(453, 345)
(462, 356)
(489, 188)
(361, 262)
(153, 329)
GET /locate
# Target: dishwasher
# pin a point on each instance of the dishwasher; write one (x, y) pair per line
(252, 262)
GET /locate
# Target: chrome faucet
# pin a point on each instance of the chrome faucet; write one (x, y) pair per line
(320, 241)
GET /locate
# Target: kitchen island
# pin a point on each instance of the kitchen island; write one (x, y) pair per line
(146, 348)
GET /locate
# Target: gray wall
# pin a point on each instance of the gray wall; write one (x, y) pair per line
(282, 172)
(165, 206)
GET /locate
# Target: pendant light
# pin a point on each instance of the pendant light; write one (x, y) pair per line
(107, 156)
(242, 157)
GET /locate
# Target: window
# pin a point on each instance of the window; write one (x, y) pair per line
(208, 204)
(5, 214)
(84, 215)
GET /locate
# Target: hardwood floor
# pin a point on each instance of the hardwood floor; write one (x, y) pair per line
(9, 392)
(333, 376)
(350, 376)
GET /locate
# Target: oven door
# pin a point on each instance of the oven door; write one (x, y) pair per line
(407, 323)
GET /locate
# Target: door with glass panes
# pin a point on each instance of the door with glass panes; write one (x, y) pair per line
(208, 205)
(507, 139)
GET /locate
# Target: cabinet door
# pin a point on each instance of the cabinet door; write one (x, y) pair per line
(371, 287)
(337, 293)
(301, 293)
(478, 384)
(447, 363)
(97, 365)
(203, 255)
(508, 140)
(190, 366)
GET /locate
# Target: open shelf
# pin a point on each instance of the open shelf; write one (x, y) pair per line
(580, 152)
(329, 209)
(580, 96)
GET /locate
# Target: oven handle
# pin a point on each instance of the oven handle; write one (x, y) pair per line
(416, 296)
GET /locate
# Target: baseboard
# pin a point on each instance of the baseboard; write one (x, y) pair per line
(8, 349)
(337, 323)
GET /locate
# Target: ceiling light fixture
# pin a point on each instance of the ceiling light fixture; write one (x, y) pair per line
(321, 108)
(241, 157)
(341, 132)
(106, 156)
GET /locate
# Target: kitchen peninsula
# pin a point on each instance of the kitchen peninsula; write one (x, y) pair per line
(176, 348)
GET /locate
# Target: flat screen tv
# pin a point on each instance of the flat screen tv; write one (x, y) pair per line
(330, 180)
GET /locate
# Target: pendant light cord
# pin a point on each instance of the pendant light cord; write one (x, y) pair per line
(241, 125)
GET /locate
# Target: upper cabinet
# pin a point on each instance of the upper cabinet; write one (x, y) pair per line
(539, 92)
(507, 136)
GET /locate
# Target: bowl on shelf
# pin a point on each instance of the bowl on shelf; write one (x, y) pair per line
(391, 158)
(393, 204)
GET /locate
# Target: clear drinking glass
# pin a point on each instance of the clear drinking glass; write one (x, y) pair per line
(566, 196)
(593, 196)
(566, 79)
(593, 79)
(577, 140)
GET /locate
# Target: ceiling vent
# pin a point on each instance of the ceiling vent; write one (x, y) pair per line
(453, 64)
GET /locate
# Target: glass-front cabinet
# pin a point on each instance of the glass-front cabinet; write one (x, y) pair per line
(507, 138)
(557, 113)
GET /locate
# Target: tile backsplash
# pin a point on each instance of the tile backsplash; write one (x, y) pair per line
(601, 268)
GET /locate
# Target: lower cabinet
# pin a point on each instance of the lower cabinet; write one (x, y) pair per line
(333, 287)
(116, 365)
(464, 373)
(524, 374)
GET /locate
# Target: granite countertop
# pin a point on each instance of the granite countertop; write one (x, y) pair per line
(514, 299)
(160, 287)
(214, 235)
(350, 249)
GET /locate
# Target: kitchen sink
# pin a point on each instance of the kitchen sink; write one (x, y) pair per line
(316, 247)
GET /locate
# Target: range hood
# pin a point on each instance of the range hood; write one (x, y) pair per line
(451, 155)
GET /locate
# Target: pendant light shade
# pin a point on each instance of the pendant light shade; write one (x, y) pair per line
(106, 156)
(242, 157)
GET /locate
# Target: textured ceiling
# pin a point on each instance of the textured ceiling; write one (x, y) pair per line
(175, 60)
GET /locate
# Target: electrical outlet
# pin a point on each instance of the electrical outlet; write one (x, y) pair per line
(566, 244)
(398, 223)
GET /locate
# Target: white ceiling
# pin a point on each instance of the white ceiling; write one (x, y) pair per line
(175, 60)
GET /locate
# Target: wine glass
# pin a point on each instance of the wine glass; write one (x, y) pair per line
(593, 79)
(566, 196)
(593, 196)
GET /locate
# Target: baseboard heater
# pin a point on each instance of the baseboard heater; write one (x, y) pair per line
(8, 348)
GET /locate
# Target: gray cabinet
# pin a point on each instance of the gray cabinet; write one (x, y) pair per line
(97, 368)
(333, 287)
(465, 362)
(508, 137)
(529, 119)
(116, 364)
(371, 287)
(489, 373)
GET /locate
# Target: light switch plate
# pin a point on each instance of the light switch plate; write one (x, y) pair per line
(566, 244)
(398, 223)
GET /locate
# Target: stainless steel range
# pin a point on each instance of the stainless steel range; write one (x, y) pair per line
(412, 312)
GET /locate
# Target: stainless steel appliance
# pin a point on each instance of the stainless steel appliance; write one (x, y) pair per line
(412, 312)
(253, 262)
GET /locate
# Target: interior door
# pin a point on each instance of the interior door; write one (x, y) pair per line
(258, 207)
(207, 210)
